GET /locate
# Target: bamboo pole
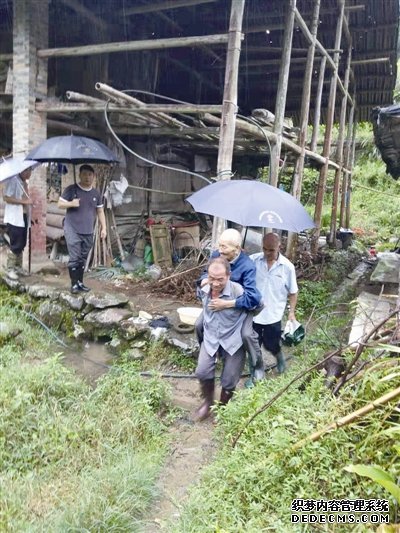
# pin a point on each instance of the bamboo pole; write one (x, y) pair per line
(339, 153)
(229, 106)
(345, 420)
(353, 153)
(281, 93)
(160, 6)
(305, 112)
(318, 102)
(347, 156)
(132, 46)
(328, 134)
(99, 105)
(118, 95)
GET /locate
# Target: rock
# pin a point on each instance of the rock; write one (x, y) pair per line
(42, 291)
(74, 302)
(108, 318)
(387, 269)
(104, 301)
(78, 331)
(134, 327)
(13, 284)
(8, 331)
(135, 354)
(51, 313)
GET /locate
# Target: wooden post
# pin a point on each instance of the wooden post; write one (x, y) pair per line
(339, 153)
(282, 92)
(305, 111)
(347, 156)
(318, 101)
(328, 133)
(229, 105)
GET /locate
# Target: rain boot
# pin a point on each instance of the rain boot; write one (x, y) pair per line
(74, 275)
(12, 266)
(280, 362)
(249, 383)
(82, 287)
(207, 392)
(226, 395)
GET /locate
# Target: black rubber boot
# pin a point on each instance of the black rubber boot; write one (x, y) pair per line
(82, 286)
(207, 391)
(226, 395)
(281, 362)
(74, 275)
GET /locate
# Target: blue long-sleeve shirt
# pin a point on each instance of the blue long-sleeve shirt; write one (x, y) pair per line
(243, 271)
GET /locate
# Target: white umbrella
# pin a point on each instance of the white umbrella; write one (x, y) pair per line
(12, 166)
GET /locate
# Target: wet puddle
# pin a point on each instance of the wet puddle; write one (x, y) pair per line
(90, 360)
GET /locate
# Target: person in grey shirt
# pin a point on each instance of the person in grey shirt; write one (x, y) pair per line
(83, 203)
(222, 336)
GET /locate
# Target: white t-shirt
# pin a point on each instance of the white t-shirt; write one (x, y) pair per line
(275, 284)
(14, 213)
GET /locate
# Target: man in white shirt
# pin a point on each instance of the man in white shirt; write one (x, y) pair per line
(17, 214)
(276, 280)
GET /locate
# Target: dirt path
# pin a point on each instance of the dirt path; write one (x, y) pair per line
(192, 448)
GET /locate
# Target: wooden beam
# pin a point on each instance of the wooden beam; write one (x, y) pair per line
(80, 9)
(162, 6)
(229, 109)
(133, 46)
(56, 107)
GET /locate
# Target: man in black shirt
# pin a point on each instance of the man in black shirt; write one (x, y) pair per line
(83, 203)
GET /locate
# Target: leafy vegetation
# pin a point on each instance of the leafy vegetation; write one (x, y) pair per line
(251, 487)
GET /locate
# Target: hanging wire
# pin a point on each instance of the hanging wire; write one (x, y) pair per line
(154, 163)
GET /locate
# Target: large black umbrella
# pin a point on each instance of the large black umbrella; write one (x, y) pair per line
(252, 203)
(72, 149)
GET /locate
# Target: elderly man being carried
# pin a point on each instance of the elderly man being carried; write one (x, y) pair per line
(243, 271)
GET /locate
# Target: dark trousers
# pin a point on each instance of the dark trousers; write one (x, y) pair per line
(18, 237)
(78, 245)
(231, 370)
(269, 335)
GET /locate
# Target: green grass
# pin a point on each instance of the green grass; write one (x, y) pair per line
(73, 458)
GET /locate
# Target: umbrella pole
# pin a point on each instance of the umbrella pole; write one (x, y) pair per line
(244, 238)
(29, 250)
(76, 194)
